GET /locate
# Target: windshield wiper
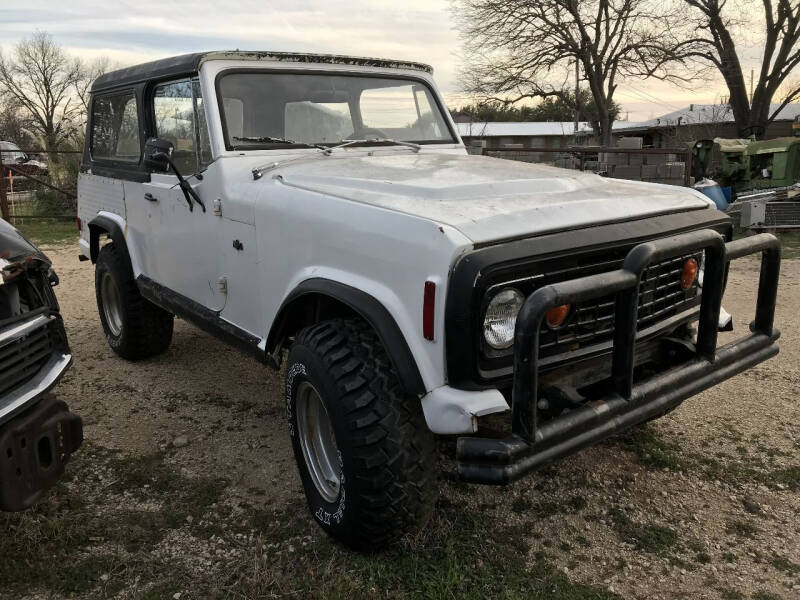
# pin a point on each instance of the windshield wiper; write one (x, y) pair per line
(268, 139)
(329, 150)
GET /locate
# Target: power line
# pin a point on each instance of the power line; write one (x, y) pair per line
(649, 95)
(648, 98)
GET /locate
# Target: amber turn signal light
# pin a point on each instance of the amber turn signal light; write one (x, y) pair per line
(689, 273)
(556, 316)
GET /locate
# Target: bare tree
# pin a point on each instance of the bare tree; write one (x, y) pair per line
(717, 28)
(40, 78)
(86, 77)
(14, 127)
(518, 49)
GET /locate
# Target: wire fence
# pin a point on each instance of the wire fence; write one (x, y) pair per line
(43, 183)
(39, 184)
(660, 165)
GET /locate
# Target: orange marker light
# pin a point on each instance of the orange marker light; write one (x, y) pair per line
(556, 316)
(689, 273)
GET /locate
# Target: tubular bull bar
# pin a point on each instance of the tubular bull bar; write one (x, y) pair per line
(531, 444)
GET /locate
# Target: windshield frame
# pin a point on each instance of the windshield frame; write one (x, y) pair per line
(454, 138)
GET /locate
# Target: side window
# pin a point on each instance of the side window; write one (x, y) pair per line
(180, 118)
(115, 128)
(203, 143)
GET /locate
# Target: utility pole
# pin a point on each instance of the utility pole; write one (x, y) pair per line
(751, 88)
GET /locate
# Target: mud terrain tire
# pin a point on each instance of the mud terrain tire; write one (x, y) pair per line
(383, 453)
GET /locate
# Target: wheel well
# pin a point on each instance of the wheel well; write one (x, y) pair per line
(319, 300)
(100, 226)
(302, 312)
(97, 231)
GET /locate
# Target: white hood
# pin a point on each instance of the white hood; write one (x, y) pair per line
(485, 198)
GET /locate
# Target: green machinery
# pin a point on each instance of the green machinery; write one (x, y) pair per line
(749, 164)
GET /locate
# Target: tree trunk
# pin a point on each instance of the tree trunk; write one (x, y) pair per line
(51, 144)
(605, 129)
(734, 78)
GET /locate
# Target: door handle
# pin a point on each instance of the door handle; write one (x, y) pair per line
(150, 198)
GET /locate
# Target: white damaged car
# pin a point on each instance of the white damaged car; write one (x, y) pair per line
(321, 213)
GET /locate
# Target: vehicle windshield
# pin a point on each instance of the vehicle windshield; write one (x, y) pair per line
(273, 110)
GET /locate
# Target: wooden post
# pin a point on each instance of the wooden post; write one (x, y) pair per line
(687, 169)
(4, 212)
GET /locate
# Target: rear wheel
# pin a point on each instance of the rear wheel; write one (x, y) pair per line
(135, 328)
(366, 457)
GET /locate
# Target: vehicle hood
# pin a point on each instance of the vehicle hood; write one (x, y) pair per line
(485, 198)
(17, 253)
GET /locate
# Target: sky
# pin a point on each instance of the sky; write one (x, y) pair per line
(130, 32)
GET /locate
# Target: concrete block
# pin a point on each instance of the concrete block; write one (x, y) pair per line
(657, 159)
(649, 171)
(627, 172)
(629, 142)
(671, 170)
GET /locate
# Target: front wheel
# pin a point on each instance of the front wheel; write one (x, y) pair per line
(366, 457)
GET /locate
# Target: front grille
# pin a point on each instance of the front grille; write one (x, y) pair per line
(660, 297)
(22, 358)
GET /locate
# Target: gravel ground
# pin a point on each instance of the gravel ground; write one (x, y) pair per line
(703, 503)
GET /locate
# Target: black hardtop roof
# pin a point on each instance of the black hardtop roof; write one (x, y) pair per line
(186, 64)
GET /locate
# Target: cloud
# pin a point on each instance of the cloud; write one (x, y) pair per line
(414, 29)
(129, 32)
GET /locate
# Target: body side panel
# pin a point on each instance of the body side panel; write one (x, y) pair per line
(387, 255)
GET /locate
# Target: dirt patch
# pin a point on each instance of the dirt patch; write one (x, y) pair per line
(187, 488)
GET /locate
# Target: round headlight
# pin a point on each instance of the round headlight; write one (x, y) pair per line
(501, 317)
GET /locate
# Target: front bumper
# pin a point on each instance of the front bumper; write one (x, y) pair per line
(34, 449)
(38, 433)
(531, 444)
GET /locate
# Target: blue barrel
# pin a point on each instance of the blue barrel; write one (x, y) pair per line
(711, 188)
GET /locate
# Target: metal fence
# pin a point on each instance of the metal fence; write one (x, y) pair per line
(42, 187)
(660, 165)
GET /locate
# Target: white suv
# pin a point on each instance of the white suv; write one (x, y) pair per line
(325, 205)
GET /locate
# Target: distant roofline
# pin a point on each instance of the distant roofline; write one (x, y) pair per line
(186, 64)
(489, 129)
(696, 114)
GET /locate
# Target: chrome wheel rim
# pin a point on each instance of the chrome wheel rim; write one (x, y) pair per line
(318, 442)
(112, 310)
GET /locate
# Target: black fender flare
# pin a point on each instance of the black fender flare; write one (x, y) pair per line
(373, 312)
(100, 225)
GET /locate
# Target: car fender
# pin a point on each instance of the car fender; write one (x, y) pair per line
(373, 312)
(117, 228)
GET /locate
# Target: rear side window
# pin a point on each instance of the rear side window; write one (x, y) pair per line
(115, 128)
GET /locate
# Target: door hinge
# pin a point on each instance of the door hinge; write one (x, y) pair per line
(218, 207)
(222, 285)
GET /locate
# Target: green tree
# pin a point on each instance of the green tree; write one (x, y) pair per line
(548, 109)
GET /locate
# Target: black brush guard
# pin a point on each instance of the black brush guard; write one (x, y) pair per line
(531, 444)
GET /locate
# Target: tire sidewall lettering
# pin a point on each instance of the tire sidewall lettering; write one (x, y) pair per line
(327, 514)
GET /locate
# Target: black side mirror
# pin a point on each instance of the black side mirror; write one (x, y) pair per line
(21, 160)
(157, 154)
(158, 157)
